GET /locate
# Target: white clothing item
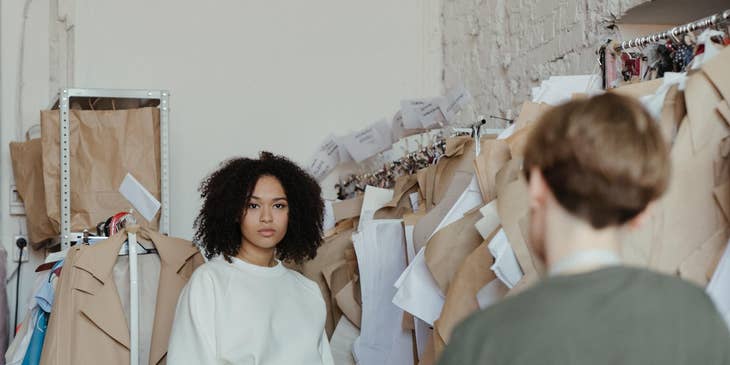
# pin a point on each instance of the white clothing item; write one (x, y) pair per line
(240, 313)
(418, 292)
(655, 102)
(381, 258)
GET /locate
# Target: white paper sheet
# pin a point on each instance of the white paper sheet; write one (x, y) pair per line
(374, 199)
(418, 292)
(490, 219)
(491, 293)
(455, 101)
(505, 264)
(719, 287)
(141, 199)
(423, 331)
(381, 259)
(468, 200)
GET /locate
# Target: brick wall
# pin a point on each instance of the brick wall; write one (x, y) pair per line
(502, 48)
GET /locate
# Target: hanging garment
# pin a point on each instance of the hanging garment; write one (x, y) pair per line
(381, 258)
(434, 181)
(690, 211)
(88, 321)
(401, 203)
(331, 252)
(24, 331)
(494, 155)
(461, 298)
(33, 355)
(450, 246)
(513, 210)
(426, 226)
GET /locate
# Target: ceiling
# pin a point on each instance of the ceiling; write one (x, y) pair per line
(673, 12)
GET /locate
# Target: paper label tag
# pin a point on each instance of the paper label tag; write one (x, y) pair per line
(325, 159)
(454, 102)
(140, 198)
(366, 143)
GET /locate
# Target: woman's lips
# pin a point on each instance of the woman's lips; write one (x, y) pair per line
(267, 232)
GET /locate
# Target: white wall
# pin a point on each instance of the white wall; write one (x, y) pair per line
(253, 75)
(244, 75)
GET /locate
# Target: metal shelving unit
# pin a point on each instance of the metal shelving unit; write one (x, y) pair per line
(64, 102)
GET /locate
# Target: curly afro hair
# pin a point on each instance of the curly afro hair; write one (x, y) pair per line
(227, 191)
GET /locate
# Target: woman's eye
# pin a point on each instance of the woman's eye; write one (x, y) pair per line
(253, 206)
(279, 206)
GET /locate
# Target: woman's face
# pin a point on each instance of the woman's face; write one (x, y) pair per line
(266, 215)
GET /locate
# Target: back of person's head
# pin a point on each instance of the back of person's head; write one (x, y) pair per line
(603, 158)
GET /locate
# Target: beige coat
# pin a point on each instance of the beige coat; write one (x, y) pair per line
(88, 325)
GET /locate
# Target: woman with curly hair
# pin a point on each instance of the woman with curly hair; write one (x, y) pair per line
(244, 306)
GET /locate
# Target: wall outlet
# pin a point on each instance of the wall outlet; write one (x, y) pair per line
(16, 249)
(16, 203)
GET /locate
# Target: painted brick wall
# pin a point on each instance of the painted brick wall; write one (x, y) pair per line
(502, 48)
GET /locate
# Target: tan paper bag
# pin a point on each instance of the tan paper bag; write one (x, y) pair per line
(105, 145)
(28, 171)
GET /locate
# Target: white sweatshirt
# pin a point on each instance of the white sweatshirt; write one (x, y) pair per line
(244, 314)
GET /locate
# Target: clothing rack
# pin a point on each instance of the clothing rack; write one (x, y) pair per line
(476, 131)
(703, 23)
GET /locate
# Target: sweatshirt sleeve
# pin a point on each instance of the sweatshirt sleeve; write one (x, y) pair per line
(193, 337)
(325, 350)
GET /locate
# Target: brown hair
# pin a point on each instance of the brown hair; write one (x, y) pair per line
(604, 158)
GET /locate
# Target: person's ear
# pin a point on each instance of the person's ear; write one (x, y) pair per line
(537, 188)
(639, 220)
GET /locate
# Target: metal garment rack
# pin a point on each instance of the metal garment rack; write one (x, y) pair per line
(64, 105)
(703, 23)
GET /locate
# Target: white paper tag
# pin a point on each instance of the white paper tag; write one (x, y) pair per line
(366, 143)
(454, 102)
(409, 112)
(431, 115)
(140, 198)
(385, 130)
(325, 159)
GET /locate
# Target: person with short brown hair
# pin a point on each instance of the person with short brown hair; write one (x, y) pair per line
(593, 168)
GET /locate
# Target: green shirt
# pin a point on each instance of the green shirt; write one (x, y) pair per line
(616, 315)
